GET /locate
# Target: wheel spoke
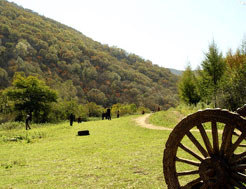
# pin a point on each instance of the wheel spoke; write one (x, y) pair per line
(239, 167)
(236, 144)
(215, 155)
(226, 139)
(185, 173)
(190, 162)
(237, 183)
(239, 176)
(229, 186)
(205, 139)
(204, 186)
(234, 133)
(192, 183)
(215, 138)
(238, 157)
(190, 152)
(197, 144)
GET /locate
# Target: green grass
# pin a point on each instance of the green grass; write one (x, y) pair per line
(172, 116)
(116, 154)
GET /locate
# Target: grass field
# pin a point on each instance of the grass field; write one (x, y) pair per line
(116, 154)
(172, 116)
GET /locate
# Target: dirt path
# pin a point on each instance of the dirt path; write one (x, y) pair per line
(142, 122)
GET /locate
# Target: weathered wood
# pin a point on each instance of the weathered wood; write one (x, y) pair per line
(190, 152)
(236, 144)
(239, 176)
(219, 167)
(229, 186)
(236, 183)
(192, 183)
(242, 111)
(238, 157)
(225, 139)
(239, 167)
(205, 138)
(185, 173)
(215, 137)
(197, 144)
(228, 143)
(187, 161)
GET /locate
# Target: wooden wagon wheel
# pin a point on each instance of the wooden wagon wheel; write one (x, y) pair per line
(217, 158)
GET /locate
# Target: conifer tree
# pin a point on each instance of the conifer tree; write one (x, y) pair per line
(188, 90)
(213, 68)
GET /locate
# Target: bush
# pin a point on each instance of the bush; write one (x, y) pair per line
(141, 109)
(12, 125)
(6, 118)
(94, 109)
(130, 109)
(23, 136)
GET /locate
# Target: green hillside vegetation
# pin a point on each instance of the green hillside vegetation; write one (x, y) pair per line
(77, 67)
(176, 72)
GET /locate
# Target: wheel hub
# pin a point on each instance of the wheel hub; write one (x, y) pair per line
(214, 171)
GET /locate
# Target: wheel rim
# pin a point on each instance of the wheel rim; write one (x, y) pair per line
(216, 163)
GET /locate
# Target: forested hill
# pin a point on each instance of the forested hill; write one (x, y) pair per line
(75, 65)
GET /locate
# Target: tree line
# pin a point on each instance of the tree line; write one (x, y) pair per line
(29, 95)
(220, 81)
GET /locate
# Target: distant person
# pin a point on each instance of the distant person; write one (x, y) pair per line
(143, 112)
(118, 114)
(104, 115)
(79, 119)
(108, 114)
(28, 120)
(71, 118)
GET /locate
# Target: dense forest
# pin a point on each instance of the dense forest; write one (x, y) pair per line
(76, 66)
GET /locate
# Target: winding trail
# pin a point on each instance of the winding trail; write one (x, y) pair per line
(142, 122)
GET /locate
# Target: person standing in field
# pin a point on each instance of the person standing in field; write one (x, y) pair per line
(108, 114)
(71, 118)
(28, 120)
(79, 119)
(118, 114)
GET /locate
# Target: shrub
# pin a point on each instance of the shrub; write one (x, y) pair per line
(12, 125)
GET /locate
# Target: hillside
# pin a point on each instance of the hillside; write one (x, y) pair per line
(77, 66)
(176, 72)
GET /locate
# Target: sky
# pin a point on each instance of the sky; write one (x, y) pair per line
(170, 33)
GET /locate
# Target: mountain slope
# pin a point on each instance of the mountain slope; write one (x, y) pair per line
(75, 65)
(176, 72)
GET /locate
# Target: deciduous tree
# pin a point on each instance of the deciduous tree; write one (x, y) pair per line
(31, 95)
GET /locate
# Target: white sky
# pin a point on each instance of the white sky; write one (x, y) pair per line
(169, 33)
